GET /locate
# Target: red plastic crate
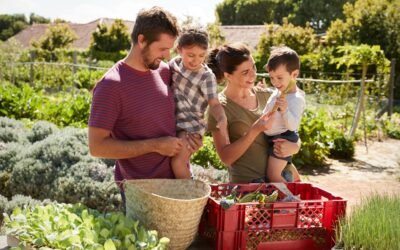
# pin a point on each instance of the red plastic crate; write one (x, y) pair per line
(305, 224)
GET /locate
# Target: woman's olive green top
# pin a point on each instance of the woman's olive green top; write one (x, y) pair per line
(252, 164)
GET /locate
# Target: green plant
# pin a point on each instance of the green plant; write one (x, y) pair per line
(392, 126)
(62, 226)
(374, 224)
(207, 155)
(314, 137)
(342, 147)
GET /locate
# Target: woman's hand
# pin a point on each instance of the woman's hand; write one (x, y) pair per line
(263, 123)
(285, 148)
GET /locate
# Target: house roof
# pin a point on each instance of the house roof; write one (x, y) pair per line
(249, 34)
(83, 31)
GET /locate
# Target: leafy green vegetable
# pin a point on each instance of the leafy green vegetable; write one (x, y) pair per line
(65, 226)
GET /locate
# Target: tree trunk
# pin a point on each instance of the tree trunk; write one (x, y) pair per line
(360, 103)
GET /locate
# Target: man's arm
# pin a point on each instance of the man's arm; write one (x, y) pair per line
(101, 144)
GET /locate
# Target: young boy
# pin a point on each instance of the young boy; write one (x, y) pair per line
(286, 106)
(195, 88)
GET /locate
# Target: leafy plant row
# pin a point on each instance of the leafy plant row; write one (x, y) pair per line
(66, 226)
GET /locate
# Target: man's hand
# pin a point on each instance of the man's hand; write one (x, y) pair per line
(169, 146)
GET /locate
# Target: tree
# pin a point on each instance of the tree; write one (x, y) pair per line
(302, 40)
(107, 43)
(363, 56)
(110, 40)
(299, 12)
(57, 36)
(215, 35)
(11, 25)
(372, 22)
(33, 18)
(318, 13)
(245, 12)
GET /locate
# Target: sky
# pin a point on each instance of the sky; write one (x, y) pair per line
(84, 11)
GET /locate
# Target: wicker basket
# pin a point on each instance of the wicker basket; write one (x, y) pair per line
(172, 207)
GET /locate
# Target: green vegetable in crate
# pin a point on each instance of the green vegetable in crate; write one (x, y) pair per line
(255, 196)
(230, 200)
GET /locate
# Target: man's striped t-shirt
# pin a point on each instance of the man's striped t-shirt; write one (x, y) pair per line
(136, 105)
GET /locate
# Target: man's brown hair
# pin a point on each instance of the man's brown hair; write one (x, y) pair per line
(153, 22)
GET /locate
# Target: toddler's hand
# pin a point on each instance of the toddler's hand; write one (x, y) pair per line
(282, 104)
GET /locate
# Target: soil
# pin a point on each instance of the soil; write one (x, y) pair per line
(376, 170)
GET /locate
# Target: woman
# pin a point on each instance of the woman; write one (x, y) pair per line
(245, 150)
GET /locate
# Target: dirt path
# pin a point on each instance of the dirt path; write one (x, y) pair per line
(375, 171)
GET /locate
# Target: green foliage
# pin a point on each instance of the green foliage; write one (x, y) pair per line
(41, 130)
(63, 108)
(372, 225)
(307, 12)
(58, 35)
(215, 35)
(314, 137)
(62, 226)
(360, 55)
(111, 40)
(11, 25)
(302, 40)
(207, 155)
(225, 12)
(372, 22)
(58, 167)
(319, 14)
(33, 18)
(342, 147)
(392, 126)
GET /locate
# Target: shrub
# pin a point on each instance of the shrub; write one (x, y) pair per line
(40, 130)
(3, 203)
(314, 137)
(342, 148)
(392, 126)
(58, 167)
(207, 155)
(12, 131)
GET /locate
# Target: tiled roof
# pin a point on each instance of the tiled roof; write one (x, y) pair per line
(83, 31)
(249, 34)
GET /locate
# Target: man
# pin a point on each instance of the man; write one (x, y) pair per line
(132, 118)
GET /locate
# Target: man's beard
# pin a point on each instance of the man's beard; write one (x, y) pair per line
(153, 65)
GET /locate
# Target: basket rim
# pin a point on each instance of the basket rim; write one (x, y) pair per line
(207, 187)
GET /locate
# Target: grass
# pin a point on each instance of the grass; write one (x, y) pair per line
(374, 224)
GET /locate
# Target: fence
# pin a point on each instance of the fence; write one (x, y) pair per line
(337, 95)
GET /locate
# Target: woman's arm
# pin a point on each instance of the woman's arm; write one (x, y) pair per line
(230, 152)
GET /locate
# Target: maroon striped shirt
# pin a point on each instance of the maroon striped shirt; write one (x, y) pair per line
(136, 105)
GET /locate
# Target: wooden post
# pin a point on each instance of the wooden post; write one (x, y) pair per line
(391, 86)
(360, 103)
